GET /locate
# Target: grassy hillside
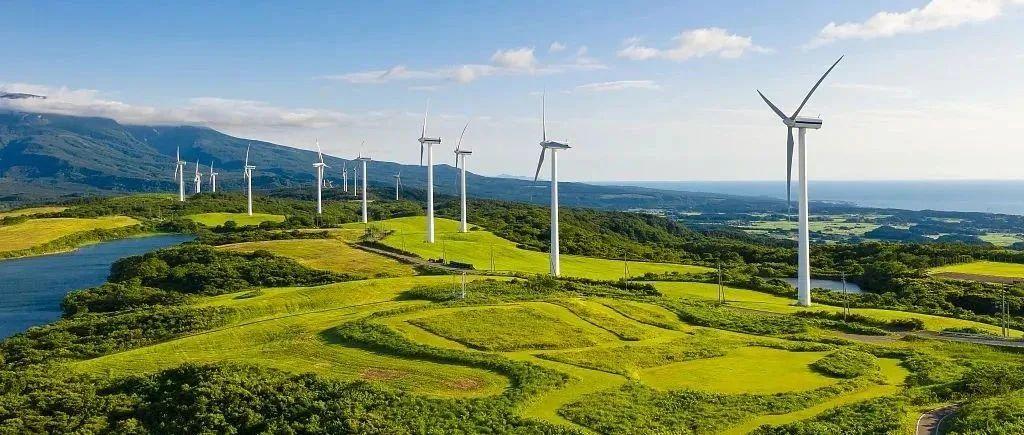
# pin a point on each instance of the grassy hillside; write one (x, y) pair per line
(242, 219)
(36, 232)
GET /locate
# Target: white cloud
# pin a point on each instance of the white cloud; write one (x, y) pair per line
(869, 87)
(697, 43)
(515, 61)
(556, 47)
(936, 15)
(619, 86)
(207, 111)
(517, 58)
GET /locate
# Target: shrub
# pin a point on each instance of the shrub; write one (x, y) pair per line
(846, 363)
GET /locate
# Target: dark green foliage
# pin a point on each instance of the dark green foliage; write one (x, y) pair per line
(204, 270)
(734, 319)
(47, 400)
(111, 297)
(886, 232)
(90, 335)
(533, 288)
(636, 408)
(846, 363)
(871, 417)
(1000, 415)
(903, 325)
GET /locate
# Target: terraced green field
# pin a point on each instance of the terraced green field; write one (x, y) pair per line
(329, 254)
(982, 271)
(242, 219)
(30, 211)
(35, 232)
(476, 247)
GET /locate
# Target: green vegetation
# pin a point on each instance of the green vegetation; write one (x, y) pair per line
(846, 363)
(39, 236)
(240, 219)
(31, 211)
(871, 417)
(508, 329)
(607, 319)
(981, 270)
(330, 255)
(996, 415)
(628, 360)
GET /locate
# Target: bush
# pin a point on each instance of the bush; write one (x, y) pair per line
(846, 363)
(871, 417)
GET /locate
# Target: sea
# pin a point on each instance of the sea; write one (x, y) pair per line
(987, 196)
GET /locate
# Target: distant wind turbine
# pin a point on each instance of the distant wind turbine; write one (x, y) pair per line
(319, 166)
(460, 163)
(248, 177)
(803, 233)
(344, 177)
(554, 146)
(198, 180)
(179, 174)
(429, 143)
(213, 179)
(364, 160)
(398, 185)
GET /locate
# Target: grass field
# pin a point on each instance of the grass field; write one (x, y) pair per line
(475, 248)
(242, 219)
(509, 329)
(825, 227)
(36, 232)
(1002, 239)
(983, 269)
(31, 211)
(329, 254)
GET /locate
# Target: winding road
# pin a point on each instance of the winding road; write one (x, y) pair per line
(930, 422)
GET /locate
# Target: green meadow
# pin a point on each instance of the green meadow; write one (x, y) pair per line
(36, 232)
(242, 219)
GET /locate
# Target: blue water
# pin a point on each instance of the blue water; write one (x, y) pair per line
(989, 196)
(829, 284)
(32, 288)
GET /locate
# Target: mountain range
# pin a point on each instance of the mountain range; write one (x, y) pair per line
(46, 157)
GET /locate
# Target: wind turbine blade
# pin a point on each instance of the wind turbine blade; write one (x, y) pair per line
(459, 146)
(177, 155)
(421, 153)
(543, 126)
(540, 163)
(789, 165)
(247, 155)
(423, 131)
(318, 153)
(774, 109)
(808, 97)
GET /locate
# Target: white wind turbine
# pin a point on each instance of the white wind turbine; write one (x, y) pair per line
(198, 180)
(398, 185)
(364, 161)
(344, 177)
(429, 143)
(248, 177)
(179, 174)
(460, 164)
(319, 166)
(803, 233)
(213, 179)
(554, 146)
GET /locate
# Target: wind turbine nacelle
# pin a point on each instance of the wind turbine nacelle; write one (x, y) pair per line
(317, 165)
(801, 122)
(464, 152)
(555, 145)
(430, 140)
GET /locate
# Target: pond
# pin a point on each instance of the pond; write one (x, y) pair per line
(829, 284)
(32, 288)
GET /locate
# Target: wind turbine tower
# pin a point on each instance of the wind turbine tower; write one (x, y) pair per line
(198, 178)
(213, 179)
(319, 166)
(344, 177)
(179, 174)
(364, 161)
(554, 147)
(803, 233)
(429, 143)
(248, 177)
(460, 164)
(398, 185)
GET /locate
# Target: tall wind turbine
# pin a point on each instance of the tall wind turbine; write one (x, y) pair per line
(198, 180)
(319, 166)
(364, 161)
(460, 163)
(554, 146)
(398, 185)
(248, 177)
(213, 179)
(429, 143)
(344, 177)
(179, 174)
(803, 234)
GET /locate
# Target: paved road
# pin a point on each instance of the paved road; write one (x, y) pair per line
(973, 339)
(929, 422)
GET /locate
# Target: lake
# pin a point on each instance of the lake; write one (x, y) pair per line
(829, 284)
(32, 288)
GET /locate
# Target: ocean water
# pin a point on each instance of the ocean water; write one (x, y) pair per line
(989, 196)
(32, 288)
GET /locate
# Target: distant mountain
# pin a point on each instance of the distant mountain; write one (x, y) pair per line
(46, 157)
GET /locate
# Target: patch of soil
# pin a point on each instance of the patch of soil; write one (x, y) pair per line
(375, 374)
(465, 384)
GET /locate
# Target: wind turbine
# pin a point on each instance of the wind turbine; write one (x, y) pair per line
(364, 161)
(803, 234)
(344, 177)
(460, 163)
(248, 177)
(398, 184)
(429, 142)
(319, 166)
(198, 178)
(554, 146)
(213, 179)
(179, 174)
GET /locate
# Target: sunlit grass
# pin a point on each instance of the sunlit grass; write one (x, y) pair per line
(36, 232)
(242, 219)
(329, 254)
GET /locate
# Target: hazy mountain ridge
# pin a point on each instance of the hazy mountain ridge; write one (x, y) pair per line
(47, 156)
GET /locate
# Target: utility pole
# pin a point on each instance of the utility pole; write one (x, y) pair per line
(444, 253)
(625, 270)
(492, 257)
(463, 285)
(1004, 311)
(846, 298)
(721, 290)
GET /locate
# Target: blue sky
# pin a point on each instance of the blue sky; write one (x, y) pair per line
(644, 90)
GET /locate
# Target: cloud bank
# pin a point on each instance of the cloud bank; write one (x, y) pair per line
(697, 43)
